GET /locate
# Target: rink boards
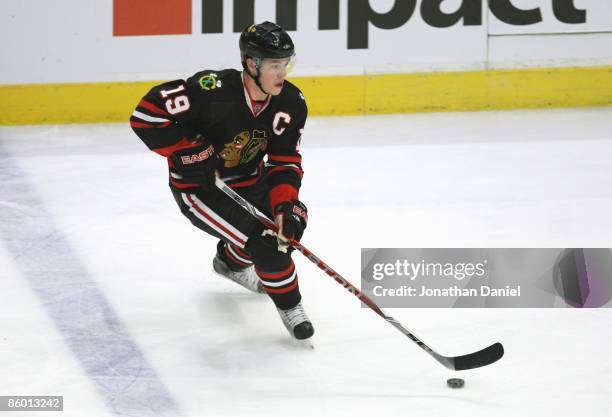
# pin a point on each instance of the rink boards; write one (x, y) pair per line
(353, 57)
(336, 95)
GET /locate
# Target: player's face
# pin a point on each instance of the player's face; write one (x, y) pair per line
(273, 73)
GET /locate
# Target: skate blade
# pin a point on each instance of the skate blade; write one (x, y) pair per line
(305, 343)
(260, 290)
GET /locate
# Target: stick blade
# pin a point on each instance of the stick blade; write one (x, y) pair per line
(483, 357)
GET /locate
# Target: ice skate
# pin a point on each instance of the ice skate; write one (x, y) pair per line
(297, 322)
(245, 277)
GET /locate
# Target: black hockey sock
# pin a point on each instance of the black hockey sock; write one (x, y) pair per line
(282, 286)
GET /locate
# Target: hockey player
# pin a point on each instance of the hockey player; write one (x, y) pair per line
(223, 123)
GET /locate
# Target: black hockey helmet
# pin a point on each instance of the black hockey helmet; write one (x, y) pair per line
(265, 40)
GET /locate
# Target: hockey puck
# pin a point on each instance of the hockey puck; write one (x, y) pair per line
(455, 382)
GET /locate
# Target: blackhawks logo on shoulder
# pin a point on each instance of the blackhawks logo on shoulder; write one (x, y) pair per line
(209, 82)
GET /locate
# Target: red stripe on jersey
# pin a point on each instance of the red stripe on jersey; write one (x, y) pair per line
(245, 183)
(240, 252)
(277, 275)
(234, 259)
(141, 125)
(285, 158)
(152, 107)
(298, 171)
(181, 185)
(250, 181)
(168, 150)
(144, 125)
(213, 221)
(281, 193)
(271, 290)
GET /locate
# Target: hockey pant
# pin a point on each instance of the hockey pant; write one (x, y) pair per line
(241, 237)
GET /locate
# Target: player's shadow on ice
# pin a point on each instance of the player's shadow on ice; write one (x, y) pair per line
(241, 318)
(231, 306)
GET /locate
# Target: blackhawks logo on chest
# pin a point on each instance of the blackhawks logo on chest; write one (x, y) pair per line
(244, 147)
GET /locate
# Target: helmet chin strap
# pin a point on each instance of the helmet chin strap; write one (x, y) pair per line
(256, 79)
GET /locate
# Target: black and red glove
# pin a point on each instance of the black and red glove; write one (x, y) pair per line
(197, 164)
(291, 218)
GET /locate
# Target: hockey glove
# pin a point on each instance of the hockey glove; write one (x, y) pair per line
(197, 165)
(291, 218)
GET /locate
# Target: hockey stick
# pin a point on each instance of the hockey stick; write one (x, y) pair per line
(483, 357)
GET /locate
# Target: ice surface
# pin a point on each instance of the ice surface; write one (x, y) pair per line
(96, 258)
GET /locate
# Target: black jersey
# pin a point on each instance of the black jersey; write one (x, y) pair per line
(215, 106)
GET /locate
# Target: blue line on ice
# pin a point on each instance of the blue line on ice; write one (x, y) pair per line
(71, 297)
